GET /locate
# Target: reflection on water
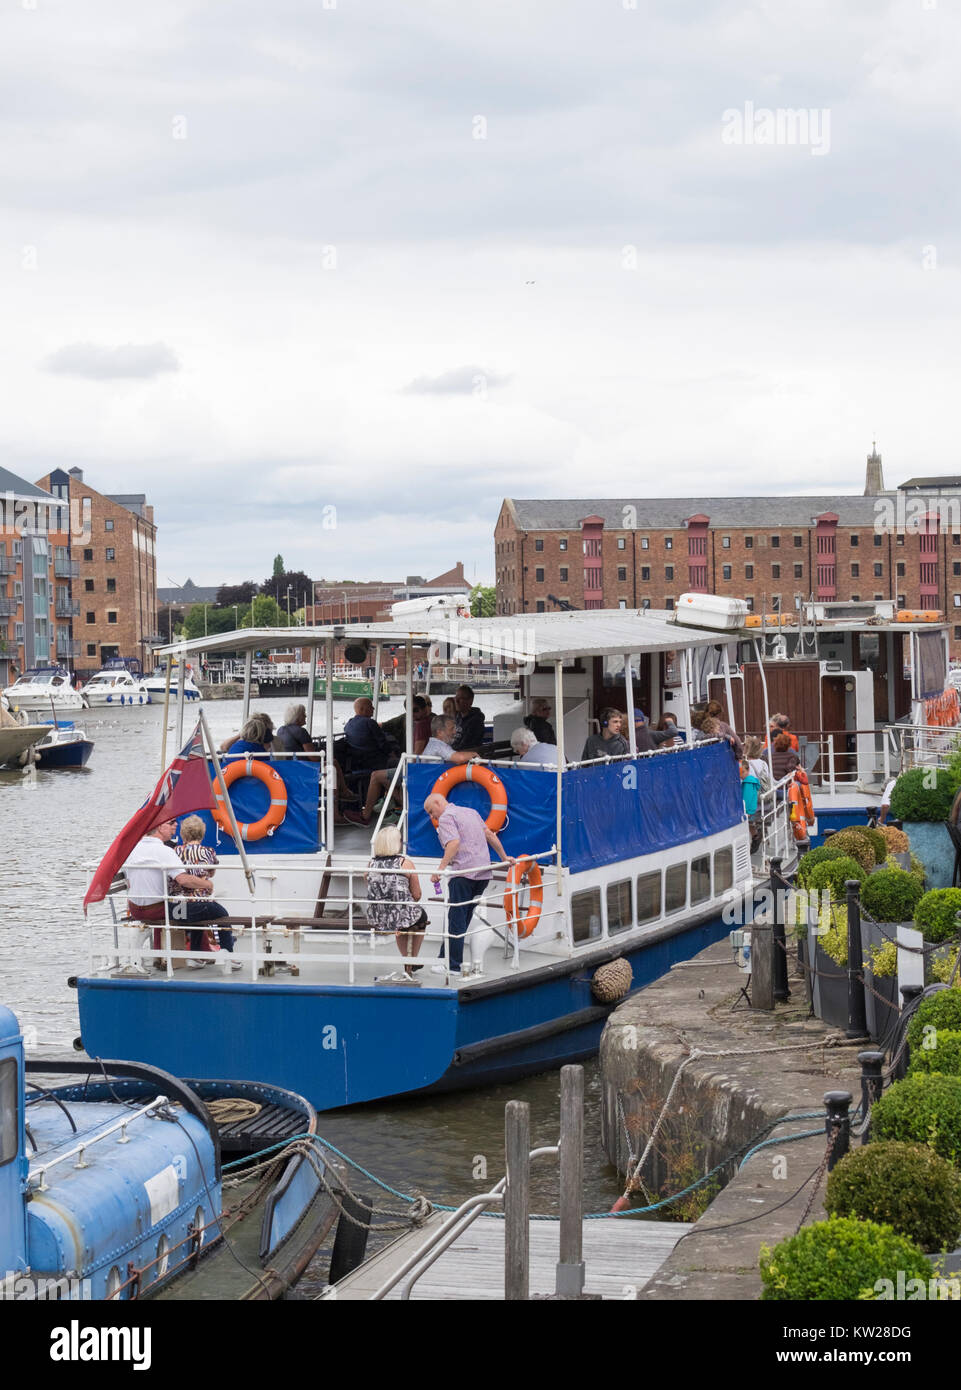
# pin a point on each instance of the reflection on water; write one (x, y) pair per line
(54, 822)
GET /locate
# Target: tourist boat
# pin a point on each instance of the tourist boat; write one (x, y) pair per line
(44, 688)
(644, 859)
(116, 685)
(156, 683)
(113, 1187)
(17, 737)
(64, 745)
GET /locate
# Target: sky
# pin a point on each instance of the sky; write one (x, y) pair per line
(330, 278)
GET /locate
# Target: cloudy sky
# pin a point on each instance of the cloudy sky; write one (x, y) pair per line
(400, 258)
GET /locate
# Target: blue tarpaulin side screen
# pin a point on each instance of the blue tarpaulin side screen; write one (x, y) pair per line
(635, 807)
(297, 832)
(531, 814)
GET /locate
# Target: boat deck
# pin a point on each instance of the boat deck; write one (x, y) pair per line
(620, 1255)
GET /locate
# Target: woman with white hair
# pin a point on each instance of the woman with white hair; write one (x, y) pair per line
(393, 894)
(529, 751)
(292, 734)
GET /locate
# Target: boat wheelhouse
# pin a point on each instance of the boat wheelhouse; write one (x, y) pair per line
(644, 857)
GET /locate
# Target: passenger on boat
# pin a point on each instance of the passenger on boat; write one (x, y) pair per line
(396, 728)
(470, 722)
(465, 838)
(292, 736)
(757, 764)
(257, 736)
(667, 725)
(530, 752)
(538, 721)
(393, 894)
(440, 744)
(608, 743)
(715, 710)
(648, 739)
(886, 801)
(194, 853)
(783, 757)
(449, 708)
(369, 746)
(150, 865)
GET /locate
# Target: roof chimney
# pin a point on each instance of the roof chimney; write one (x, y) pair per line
(873, 478)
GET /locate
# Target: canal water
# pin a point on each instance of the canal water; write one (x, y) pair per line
(52, 824)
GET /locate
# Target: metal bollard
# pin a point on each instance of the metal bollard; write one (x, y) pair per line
(872, 1083)
(857, 1017)
(837, 1124)
(908, 994)
(778, 885)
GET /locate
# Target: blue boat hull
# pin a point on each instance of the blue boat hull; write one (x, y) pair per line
(341, 1045)
(66, 755)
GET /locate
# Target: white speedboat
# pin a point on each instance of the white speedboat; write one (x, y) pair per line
(17, 737)
(156, 683)
(115, 686)
(43, 688)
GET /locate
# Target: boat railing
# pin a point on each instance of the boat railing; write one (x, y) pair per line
(281, 918)
(776, 833)
(926, 745)
(79, 1150)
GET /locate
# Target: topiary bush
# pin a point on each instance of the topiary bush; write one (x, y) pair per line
(923, 794)
(810, 861)
(834, 874)
(940, 1010)
(944, 1056)
(853, 843)
(895, 839)
(891, 895)
(922, 1109)
(874, 838)
(841, 1258)
(937, 912)
(906, 1186)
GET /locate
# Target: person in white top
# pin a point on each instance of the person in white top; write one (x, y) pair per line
(530, 752)
(150, 863)
(886, 801)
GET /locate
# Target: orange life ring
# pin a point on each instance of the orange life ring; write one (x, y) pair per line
(492, 784)
(276, 811)
(804, 786)
(798, 818)
(530, 868)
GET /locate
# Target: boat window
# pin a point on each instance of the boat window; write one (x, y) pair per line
(586, 915)
(619, 915)
(675, 888)
(648, 897)
(700, 879)
(9, 1110)
(723, 869)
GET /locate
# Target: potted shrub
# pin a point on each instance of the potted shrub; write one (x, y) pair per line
(936, 1011)
(809, 862)
(889, 897)
(841, 1258)
(936, 917)
(856, 845)
(924, 1108)
(921, 800)
(882, 1003)
(906, 1186)
(829, 959)
(942, 1055)
(898, 845)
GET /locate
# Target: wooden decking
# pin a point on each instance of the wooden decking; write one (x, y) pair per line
(620, 1255)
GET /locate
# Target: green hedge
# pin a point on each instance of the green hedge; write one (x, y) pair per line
(833, 876)
(841, 1258)
(812, 859)
(891, 895)
(939, 1010)
(922, 1109)
(937, 912)
(906, 1186)
(914, 799)
(944, 1056)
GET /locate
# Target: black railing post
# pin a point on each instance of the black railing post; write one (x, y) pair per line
(778, 885)
(857, 1018)
(872, 1084)
(837, 1125)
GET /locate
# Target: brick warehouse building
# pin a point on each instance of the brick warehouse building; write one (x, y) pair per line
(36, 575)
(114, 593)
(903, 545)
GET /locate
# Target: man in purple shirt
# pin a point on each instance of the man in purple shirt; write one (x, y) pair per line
(465, 838)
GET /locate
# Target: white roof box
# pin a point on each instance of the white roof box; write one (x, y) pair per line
(441, 606)
(711, 611)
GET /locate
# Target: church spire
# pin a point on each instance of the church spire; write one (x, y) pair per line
(874, 477)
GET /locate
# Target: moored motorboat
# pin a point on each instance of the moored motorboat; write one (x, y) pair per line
(114, 1188)
(117, 686)
(156, 684)
(63, 746)
(18, 736)
(44, 689)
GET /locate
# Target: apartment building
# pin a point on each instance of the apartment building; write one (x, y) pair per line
(35, 578)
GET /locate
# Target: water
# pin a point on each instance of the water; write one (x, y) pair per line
(51, 824)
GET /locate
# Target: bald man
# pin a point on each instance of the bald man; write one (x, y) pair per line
(369, 746)
(467, 844)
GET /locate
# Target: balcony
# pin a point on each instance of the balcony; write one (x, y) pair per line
(8, 564)
(66, 608)
(8, 606)
(66, 569)
(67, 646)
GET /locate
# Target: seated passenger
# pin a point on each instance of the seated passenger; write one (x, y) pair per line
(292, 736)
(538, 721)
(196, 855)
(368, 744)
(470, 734)
(648, 739)
(392, 898)
(783, 757)
(257, 736)
(608, 743)
(437, 746)
(715, 710)
(532, 753)
(443, 729)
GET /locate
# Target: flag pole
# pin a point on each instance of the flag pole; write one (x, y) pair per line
(234, 829)
(163, 743)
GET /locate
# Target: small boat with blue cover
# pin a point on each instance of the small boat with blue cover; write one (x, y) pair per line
(64, 746)
(642, 859)
(114, 1188)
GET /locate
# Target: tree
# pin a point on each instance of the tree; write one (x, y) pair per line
(218, 620)
(483, 601)
(229, 594)
(265, 611)
(301, 588)
(279, 566)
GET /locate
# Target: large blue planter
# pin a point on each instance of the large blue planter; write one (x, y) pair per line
(932, 844)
